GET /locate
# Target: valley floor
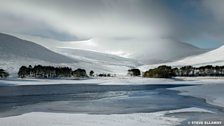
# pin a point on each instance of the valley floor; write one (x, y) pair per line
(209, 88)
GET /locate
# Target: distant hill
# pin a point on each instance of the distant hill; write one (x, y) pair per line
(11, 46)
(213, 57)
(167, 50)
(97, 57)
(16, 52)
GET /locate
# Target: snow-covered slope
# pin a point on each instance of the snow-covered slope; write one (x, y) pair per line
(165, 50)
(110, 63)
(213, 57)
(16, 52)
(97, 57)
(11, 46)
(145, 50)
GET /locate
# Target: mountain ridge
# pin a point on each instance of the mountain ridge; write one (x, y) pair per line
(11, 45)
(213, 57)
(16, 52)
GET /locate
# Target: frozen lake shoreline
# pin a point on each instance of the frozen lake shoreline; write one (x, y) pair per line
(123, 80)
(61, 119)
(210, 86)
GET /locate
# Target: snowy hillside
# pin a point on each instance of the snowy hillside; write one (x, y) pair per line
(146, 51)
(11, 46)
(16, 52)
(166, 50)
(214, 57)
(97, 57)
(103, 62)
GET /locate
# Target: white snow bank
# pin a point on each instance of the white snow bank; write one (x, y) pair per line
(122, 80)
(192, 109)
(59, 119)
(63, 119)
(101, 81)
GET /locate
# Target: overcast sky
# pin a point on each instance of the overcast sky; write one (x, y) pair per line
(199, 22)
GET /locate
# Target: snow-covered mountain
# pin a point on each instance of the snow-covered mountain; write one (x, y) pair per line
(97, 57)
(145, 50)
(213, 57)
(106, 62)
(16, 52)
(11, 46)
(166, 50)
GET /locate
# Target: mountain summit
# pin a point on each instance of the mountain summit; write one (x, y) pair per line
(11, 46)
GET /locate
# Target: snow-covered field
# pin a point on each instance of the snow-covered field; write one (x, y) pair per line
(121, 80)
(102, 81)
(56, 119)
(63, 119)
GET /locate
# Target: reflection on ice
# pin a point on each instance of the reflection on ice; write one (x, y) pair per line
(93, 99)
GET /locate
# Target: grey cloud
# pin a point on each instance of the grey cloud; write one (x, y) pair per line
(16, 24)
(115, 19)
(96, 18)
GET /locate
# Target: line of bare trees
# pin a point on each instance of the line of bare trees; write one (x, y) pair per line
(163, 71)
(40, 71)
(188, 71)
